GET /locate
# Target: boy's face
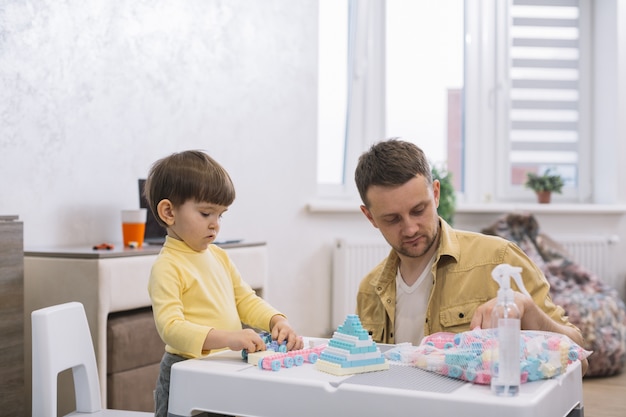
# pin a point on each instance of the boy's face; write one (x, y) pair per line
(196, 223)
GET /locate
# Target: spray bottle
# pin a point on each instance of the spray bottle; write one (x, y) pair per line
(505, 318)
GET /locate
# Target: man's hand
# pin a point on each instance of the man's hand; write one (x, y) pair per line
(532, 318)
(482, 315)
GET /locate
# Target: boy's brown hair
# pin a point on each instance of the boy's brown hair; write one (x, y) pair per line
(188, 175)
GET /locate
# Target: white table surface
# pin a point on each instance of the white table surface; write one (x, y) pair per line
(224, 383)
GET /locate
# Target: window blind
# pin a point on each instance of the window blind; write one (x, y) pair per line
(544, 95)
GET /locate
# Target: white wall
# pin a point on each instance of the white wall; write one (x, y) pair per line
(91, 93)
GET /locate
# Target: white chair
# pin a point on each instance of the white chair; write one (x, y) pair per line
(61, 340)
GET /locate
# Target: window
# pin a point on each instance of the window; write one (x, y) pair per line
(498, 83)
(424, 78)
(539, 110)
(332, 90)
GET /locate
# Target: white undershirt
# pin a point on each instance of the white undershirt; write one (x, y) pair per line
(411, 305)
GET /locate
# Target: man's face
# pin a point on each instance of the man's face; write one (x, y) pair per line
(406, 215)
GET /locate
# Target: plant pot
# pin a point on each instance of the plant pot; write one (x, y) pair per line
(543, 197)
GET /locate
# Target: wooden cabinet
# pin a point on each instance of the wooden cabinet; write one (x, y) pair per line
(108, 281)
(12, 393)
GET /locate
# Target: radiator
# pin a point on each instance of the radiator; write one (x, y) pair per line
(352, 260)
(594, 253)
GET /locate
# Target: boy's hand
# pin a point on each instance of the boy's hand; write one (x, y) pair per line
(281, 330)
(246, 339)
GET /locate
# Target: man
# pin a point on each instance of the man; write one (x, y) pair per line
(435, 278)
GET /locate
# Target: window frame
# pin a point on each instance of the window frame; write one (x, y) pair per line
(484, 85)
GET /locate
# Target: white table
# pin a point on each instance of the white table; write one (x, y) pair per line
(223, 383)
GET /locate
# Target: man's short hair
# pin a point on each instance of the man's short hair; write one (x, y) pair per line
(391, 162)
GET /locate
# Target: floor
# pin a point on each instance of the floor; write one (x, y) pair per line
(605, 397)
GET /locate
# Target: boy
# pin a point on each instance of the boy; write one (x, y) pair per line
(198, 297)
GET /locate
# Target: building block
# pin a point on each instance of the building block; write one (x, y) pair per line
(351, 350)
(272, 360)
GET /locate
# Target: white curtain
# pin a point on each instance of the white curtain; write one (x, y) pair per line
(366, 75)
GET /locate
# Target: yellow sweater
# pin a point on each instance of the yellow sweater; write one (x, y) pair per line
(193, 292)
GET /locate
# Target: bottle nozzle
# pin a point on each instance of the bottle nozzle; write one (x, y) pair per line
(503, 273)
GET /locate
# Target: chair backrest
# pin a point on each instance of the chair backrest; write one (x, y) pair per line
(61, 340)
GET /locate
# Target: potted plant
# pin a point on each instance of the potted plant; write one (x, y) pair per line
(447, 195)
(544, 185)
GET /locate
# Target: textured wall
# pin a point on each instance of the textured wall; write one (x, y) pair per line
(92, 92)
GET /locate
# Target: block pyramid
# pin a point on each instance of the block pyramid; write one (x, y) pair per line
(351, 351)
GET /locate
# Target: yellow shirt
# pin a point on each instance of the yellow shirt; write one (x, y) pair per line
(462, 282)
(193, 292)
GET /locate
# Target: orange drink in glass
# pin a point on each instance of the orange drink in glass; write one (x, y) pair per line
(134, 227)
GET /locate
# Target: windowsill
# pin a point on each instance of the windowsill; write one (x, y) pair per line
(334, 205)
(352, 206)
(556, 208)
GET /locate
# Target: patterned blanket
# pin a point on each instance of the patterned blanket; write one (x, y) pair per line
(592, 305)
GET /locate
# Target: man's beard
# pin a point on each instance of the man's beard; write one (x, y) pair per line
(429, 244)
